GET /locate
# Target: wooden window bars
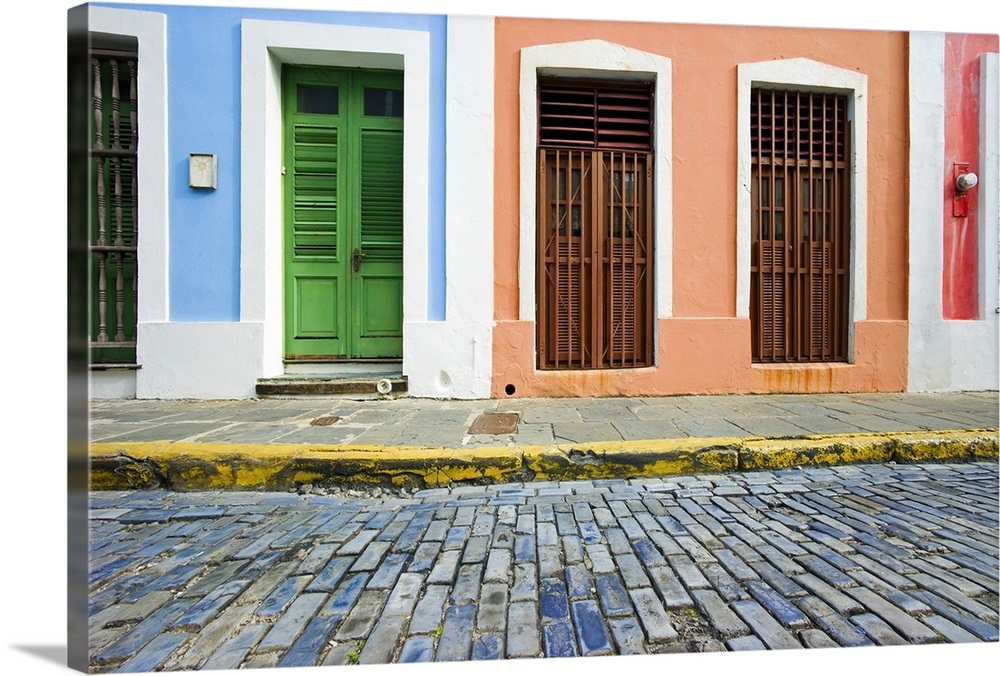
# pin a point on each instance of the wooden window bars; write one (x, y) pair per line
(800, 226)
(113, 232)
(595, 234)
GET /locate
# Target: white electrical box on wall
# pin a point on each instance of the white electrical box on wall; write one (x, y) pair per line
(202, 171)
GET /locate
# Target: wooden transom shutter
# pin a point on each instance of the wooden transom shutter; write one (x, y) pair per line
(595, 234)
(800, 226)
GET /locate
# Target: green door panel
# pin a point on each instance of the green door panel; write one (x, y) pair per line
(343, 192)
(315, 299)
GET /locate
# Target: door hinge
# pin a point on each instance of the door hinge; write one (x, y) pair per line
(282, 170)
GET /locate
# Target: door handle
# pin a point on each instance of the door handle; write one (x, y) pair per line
(356, 260)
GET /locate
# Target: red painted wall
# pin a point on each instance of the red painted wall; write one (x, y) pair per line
(961, 234)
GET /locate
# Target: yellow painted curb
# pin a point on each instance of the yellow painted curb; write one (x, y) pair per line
(192, 465)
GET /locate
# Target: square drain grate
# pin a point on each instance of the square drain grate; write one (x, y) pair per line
(324, 420)
(495, 423)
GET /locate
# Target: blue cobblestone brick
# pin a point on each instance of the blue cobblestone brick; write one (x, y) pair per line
(455, 643)
(826, 572)
(653, 615)
(288, 627)
(578, 581)
(524, 549)
(565, 523)
(498, 566)
(155, 653)
(572, 547)
(456, 537)
(430, 608)
(553, 600)
(613, 597)
(488, 647)
(835, 625)
(279, 599)
(628, 635)
(590, 630)
(525, 586)
(138, 636)
(466, 589)
(417, 649)
(778, 605)
(590, 532)
(328, 578)
(558, 639)
(381, 642)
(549, 564)
(307, 647)
(445, 567)
(648, 552)
(774, 577)
(424, 557)
(522, 630)
(386, 574)
(231, 653)
(345, 596)
(210, 605)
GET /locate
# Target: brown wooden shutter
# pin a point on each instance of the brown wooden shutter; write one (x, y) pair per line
(595, 225)
(800, 226)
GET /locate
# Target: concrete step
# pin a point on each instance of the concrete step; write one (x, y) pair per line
(324, 385)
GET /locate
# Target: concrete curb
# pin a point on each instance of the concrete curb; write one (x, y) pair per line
(187, 466)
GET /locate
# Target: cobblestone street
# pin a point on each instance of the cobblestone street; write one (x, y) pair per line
(837, 556)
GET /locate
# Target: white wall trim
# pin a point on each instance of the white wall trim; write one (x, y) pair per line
(807, 75)
(153, 241)
(596, 58)
(150, 29)
(989, 175)
(926, 249)
(266, 45)
(949, 355)
(112, 384)
(456, 355)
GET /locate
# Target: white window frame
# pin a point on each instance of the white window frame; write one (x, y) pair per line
(601, 60)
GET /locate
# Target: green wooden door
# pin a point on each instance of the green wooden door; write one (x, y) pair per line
(343, 217)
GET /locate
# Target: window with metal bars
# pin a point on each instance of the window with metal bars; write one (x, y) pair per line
(800, 226)
(595, 234)
(114, 177)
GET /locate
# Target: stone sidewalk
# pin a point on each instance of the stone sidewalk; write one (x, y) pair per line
(416, 443)
(852, 555)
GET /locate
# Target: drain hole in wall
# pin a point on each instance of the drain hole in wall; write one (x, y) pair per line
(509, 389)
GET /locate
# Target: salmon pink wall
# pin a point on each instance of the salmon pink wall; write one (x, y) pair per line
(704, 346)
(961, 238)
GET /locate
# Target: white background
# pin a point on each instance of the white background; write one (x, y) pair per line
(33, 446)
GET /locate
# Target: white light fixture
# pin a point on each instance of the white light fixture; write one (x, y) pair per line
(966, 181)
(202, 171)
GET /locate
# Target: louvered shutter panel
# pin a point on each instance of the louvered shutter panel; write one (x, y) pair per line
(381, 194)
(314, 173)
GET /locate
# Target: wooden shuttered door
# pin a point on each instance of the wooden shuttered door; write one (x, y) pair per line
(595, 235)
(343, 225)
(800, 226)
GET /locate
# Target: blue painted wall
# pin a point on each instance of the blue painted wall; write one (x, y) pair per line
(203, 70)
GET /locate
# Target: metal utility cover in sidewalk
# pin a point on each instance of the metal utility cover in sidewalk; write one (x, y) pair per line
(495, 423)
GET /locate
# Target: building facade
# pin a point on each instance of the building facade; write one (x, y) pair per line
(502, 207)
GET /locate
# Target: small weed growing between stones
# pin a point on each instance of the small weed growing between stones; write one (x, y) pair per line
(355, 655)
